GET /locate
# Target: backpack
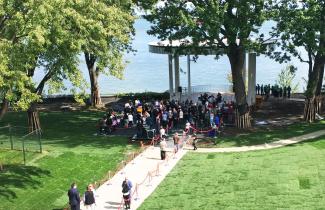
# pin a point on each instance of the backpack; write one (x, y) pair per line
(125, 187)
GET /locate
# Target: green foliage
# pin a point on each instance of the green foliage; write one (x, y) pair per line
(286, 77)
(281, 178)
(300, 32)
(107, 33)
(299, 27)
(35, 36)
(216, 23)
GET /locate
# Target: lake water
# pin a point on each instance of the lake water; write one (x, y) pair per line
(149, 72)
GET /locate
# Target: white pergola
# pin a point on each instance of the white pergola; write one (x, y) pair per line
(172, 49)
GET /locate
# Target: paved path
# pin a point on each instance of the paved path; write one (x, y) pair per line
(271, 145)
(109, 195)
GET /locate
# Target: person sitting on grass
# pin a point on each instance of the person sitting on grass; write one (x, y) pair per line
(102, 126)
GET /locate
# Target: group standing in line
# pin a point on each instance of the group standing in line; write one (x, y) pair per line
(274, 90)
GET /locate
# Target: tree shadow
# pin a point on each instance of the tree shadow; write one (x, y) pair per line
(19, 176)
(69, 129)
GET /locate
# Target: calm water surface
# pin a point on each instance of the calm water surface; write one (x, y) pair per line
(149, 72)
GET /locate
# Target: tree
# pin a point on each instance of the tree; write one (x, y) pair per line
(36, 37)
(300, 31)
(225, 26)
(107, 37)
(286, 77)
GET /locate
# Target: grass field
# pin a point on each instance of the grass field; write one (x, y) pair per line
(266, 134)
(71, 153)
(292, 177)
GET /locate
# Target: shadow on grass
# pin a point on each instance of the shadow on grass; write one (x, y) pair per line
(67, 129)
(19, 176)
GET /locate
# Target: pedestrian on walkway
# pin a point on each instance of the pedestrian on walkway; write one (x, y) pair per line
(163, 146)
(176, 142)
(126, 190)
(89, 198)
(74, 198)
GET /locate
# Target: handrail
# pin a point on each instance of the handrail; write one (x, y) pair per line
(38, 131)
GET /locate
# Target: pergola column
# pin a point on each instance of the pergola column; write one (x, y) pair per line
(251, 98)
(171, 80)
(177, 83)
(189, 87)
(244, 70)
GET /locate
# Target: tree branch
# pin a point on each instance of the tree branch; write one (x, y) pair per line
(41, 85)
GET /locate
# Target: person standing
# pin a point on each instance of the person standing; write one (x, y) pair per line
(89, 198)
(194, 141)
(74, 198)
(126, 190)
(289, 91)
(176, 142)
(163, 146)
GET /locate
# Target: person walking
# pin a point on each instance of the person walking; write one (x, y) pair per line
(74, 198)
(163, 147)
(89, 198)
(126, 190)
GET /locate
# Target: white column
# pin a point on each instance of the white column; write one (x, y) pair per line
(189, 87)
(177, 83)
(171, 80)
(251, 79)
(244, 71)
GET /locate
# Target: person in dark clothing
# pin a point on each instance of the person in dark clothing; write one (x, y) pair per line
(89, 198)
(194, 141)
(284, 92)
(262, 90)
(289, 91)
(74, 198)
(258, 89)
(126, 190)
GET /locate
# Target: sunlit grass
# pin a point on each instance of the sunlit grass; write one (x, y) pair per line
(71, 154)
(292, 177)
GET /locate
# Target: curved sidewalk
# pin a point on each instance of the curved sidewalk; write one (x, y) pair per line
(272, 145)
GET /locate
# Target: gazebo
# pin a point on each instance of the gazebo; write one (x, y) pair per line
(177, 48)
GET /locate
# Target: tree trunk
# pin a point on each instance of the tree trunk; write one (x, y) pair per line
(310, 110)
(4, 108)
(95, 98)
(312, 100)
(33, 119)
(236, 57)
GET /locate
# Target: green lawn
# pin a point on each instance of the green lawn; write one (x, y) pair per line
(292, 177)
(71, 153)
(266, 135)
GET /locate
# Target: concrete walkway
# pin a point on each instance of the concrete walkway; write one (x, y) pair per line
(272, 145)
(145, 172)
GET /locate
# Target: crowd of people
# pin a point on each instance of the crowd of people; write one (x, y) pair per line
(274, 90)
(162, 116)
